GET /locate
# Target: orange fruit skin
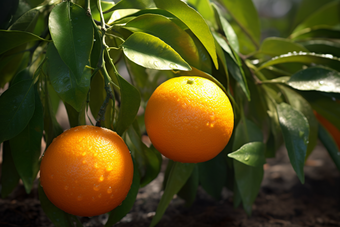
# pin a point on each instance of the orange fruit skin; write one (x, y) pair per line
(189, 122)
(87, 171)
(330, 128)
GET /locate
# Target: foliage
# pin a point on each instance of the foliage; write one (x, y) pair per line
(74, 51)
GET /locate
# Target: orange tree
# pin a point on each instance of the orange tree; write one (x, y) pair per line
(75, 52)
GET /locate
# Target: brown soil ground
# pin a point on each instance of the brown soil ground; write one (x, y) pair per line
(282, 201)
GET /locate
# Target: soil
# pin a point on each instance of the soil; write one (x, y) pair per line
(282, 201)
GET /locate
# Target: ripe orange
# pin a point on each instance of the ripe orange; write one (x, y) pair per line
(189, 119)
(330, 128)
(87, 171)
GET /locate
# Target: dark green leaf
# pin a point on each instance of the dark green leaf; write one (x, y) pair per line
(169, 32)
(58, 217)
(51, 126)
(277, 46)
(130, 102)
(245, 132)
(97, 48)
(26, 22)
(17, 107)
(189, 190)
(323, 46)
(119, 212)
(295, 131)
(7, 11)
(148, 160)
(26, 147)
(304, 57)
(194, 21)
(71, 89)
(72, 33)
(213, 175)
(316, 78)
(151, 52)
(9, 174)
(75, 117)
(97, 97)
(330, 145)
(16, 38)
(237, 73)
(251, 154)
(248, 180)
(246, 16)
(326, 15)
(179, 174)
(301, 104)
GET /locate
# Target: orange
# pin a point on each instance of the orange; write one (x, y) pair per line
(189, 119)
(87, 171)
(330, 128)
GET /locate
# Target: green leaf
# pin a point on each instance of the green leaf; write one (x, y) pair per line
(9, 174)
(237, 73)
(26, 147)
(205, 9)
(106, 5)
(194, 21)
(227, 29)
(320, 31)
(323, 46)
(275, 46)
(326, 15)
(213, 175)
(317, 79)
(301, 104)
(26, 22)
(97, 97)
(308, 7)
(189, 190)
(295, 131)
(58, 217)
(97, 48)
(51, 126)
(169, 32)
(179, 174)
(330, 145)
(130, 102)
(119, 212)
(71, 89)
(245, 132)
(248, 180)
(246, 16)
(148, 159)
(151, 52)
(75, 117)
(16, 38)
(72, 33)
(17, 106)
(251, 154)
(132, 4)
(304, 57)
